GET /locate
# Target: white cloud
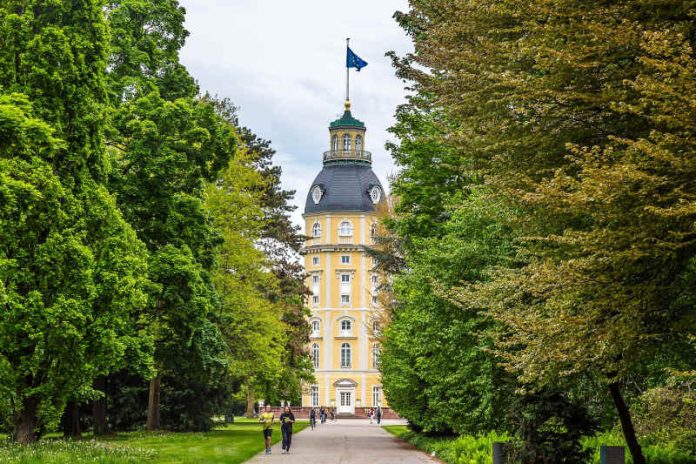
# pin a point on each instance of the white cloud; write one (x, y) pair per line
(283, 64)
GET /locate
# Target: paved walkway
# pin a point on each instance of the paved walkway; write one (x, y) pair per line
(348, 441)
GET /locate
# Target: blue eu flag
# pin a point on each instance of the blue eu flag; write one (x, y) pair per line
(354, 61)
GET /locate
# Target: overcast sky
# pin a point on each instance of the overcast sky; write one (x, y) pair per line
(283, 64)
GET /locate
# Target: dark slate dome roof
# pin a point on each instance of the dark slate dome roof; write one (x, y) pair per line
(345, 187)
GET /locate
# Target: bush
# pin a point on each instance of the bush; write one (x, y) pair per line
(465, 449)
(667, 414)
(654, 453)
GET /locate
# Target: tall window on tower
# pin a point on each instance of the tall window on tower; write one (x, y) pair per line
(344, 288)
(334, 143)
(346, 142)
(316, 230)
(376, 356)
(376, 396)
(358, 144)
(315, 356)
(345, 229)
(315, 396)
(346, 327)
(345, 355)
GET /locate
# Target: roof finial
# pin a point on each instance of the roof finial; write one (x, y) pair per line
(347, 105)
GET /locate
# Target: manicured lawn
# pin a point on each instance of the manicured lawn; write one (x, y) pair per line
(230, 445)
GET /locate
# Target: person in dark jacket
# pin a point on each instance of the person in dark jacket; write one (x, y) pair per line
(313, 418)
(379, 414)
(286, 421)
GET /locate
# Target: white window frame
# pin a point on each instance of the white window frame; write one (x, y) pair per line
(315, 355)
(347, 142)
(376, 355)
(345, 259)
(358, 143)
(346, 356)
(345, 299)
(315, 300)
(334, 143)
(316, 230)
(345, 229)
(315, 260)
(314, 396)
(376, 396)
(316, 327)
(346, 326)
(373, 231)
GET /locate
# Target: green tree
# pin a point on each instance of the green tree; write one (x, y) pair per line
(578, 116)
(162, 153)
(82, 281)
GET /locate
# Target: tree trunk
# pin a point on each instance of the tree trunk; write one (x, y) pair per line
(99, 407)
(153, 404)
(71, 420)
(626, 424)
(250, 402)
(25, 422)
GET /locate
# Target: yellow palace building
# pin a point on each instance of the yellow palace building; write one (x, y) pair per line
(340, 220)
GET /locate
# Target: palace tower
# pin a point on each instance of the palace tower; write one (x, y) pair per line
(341, 220)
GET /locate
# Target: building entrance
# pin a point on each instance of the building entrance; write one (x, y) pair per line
(346, 401)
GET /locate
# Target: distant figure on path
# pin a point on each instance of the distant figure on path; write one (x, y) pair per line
(286, 421)
(322, 415)
(333, 415)
(371, 414)
(313, 418)
(379, 415)
(266, 419)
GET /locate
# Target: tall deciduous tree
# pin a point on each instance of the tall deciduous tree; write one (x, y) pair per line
(73, 268)
(579, 117)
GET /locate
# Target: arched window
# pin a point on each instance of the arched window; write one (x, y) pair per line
(375, 327)
(345, 355)
(315, 328)
(334, 143)
(346, 142)
(376, 356)
(315, 356)
(316, 230)
(346, 326)
(345, 229)
(358, 143)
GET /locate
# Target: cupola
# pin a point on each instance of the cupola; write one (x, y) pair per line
(347, 140)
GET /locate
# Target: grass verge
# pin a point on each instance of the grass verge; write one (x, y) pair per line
(232, 444)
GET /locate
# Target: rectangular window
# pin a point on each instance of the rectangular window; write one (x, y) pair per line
(315, 396)
(315, 280)
(315, 260)
(345, 279)
(376, 396)
(345, 299)
(315, 299)
(345, 259)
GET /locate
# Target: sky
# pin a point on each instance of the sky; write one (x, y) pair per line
(282, 63)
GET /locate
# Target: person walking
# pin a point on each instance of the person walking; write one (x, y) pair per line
(322, 415)
(371, 414)
(313, 418)
(266, 419)
(286, 421)
(379, 415)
